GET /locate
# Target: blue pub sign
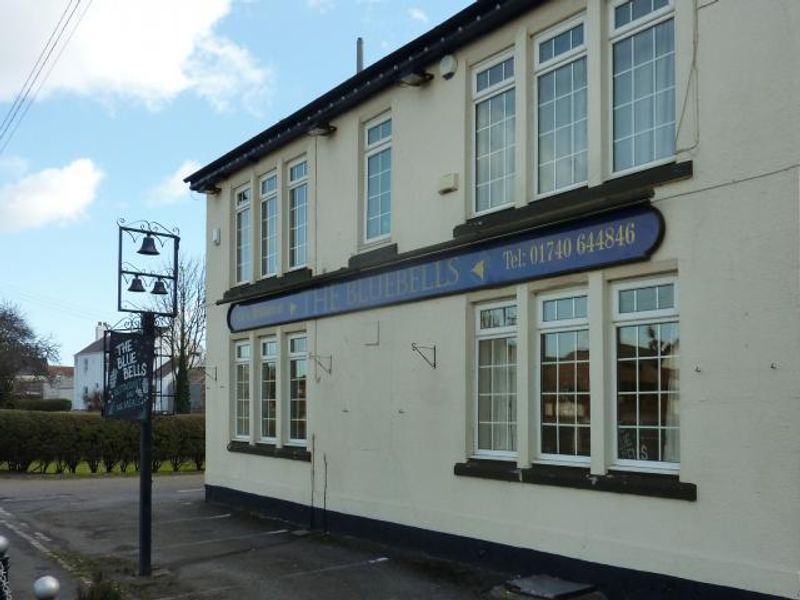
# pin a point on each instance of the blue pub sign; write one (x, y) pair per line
(613, 238)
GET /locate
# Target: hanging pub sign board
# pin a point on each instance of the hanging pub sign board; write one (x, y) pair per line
(130, 370)
(613, 238)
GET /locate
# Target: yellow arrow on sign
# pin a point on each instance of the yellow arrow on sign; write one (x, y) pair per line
(480, 268)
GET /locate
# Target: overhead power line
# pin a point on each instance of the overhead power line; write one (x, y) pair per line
(27, 93)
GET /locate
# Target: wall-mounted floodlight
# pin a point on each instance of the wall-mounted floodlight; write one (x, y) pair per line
(321, 130)
(416, 78)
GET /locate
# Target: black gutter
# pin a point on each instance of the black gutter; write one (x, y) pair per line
(478, 19)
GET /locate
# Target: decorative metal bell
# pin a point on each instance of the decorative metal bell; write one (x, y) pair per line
(159, 288)
(148, 246)
(136, 285)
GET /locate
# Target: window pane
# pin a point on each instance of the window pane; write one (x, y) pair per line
(650, 55)
(666, 296)
(647, 404)
(549, 443)
(495, 144)
(584, 441)
(646, 299)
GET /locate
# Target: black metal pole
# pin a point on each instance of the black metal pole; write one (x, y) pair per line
(146, 465)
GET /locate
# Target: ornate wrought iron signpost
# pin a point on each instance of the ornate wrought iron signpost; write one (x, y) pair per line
(129, 383)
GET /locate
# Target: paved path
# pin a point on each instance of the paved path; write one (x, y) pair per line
(205, 551)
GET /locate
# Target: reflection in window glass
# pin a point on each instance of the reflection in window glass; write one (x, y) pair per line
(564, 364)
(298, 360)
(269, 351)
(647, 392)
(242, 386)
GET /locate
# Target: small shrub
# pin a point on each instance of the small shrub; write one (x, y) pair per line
(100, 589)
(45, 405)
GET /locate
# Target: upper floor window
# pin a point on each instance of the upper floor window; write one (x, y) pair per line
(243, 228)
(269, 225)
(298, 214)
(378, 156)
(647, 348)
(643, 41)
(496, 405)
(561, 109)
(495, 112)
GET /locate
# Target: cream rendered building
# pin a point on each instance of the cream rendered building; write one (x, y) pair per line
(527, 292)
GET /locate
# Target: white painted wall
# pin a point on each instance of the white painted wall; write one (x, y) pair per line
(88, 377)
(391, 428)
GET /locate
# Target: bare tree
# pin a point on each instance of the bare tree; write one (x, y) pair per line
(183, 339)
(21, 351)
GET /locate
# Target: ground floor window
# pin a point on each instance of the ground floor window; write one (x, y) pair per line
(635, 361)
(497, 379)
(298, 363)
(564, 375)
(647, 345)
(242, 389)
(269, 398)
(278, 407)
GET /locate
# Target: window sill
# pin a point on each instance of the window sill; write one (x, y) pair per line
(373, 254)
(563, 206)
(290, 452)
(656, 485)
(501, 470)
(272, 284)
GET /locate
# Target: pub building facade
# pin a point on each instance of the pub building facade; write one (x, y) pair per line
(525, 292)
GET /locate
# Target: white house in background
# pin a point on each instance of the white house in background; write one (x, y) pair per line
(89, 369)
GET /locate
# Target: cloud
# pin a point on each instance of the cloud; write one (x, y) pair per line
(148, 51)
(320, 6)
(418, 14)
(173, 190)
(50, 196)
(13, 167)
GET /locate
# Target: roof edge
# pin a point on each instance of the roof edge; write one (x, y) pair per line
(476, 20)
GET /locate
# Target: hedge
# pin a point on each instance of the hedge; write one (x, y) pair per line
(36, 440)
(48, 405)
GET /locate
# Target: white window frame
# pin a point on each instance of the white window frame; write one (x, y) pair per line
(494, 333)
(649, 317)
(265, 359)
(245, 241)
(543, 68)
(237, 362)
(615, 35)
(290, 356)
(477, 98)
(265, 197)
(293, 184)
(369, 151)
(562, 326)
